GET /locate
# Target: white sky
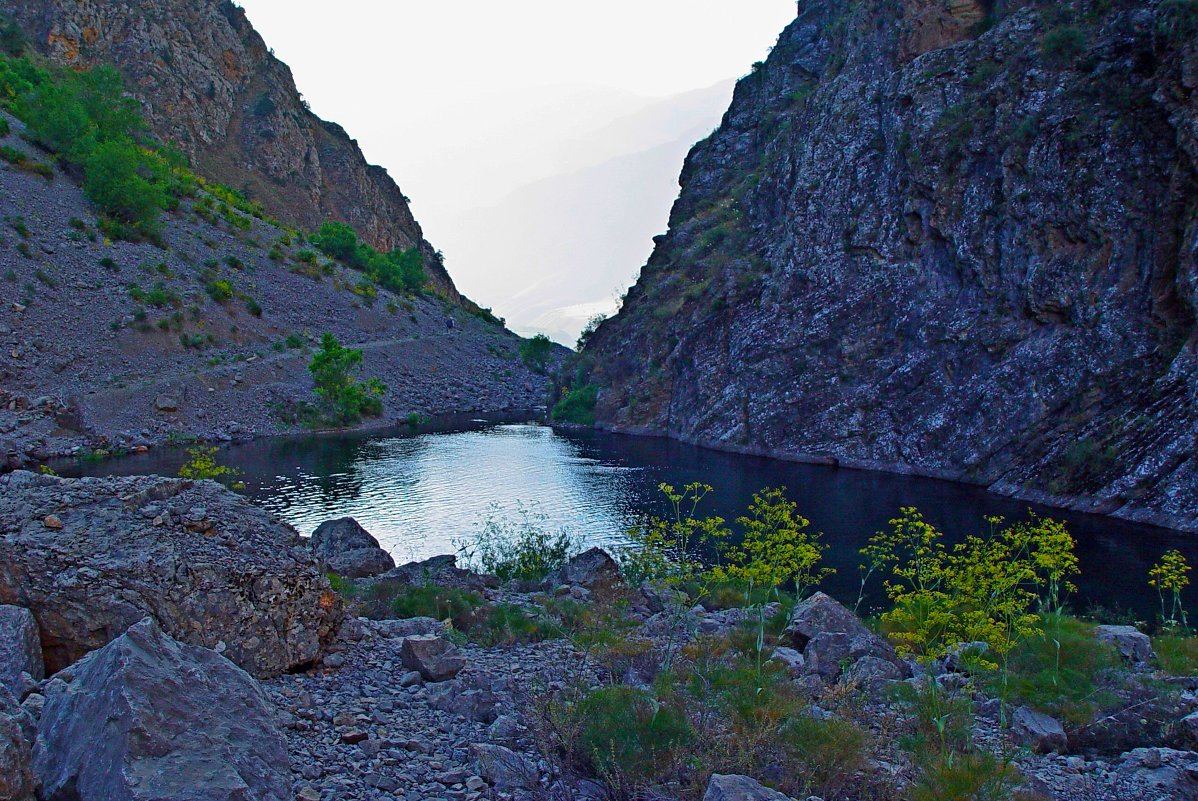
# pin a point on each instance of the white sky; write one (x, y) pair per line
(445, 93)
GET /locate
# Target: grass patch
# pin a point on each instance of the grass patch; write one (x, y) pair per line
(1176, 655)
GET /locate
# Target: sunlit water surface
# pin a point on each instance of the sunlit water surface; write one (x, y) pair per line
(422, 493)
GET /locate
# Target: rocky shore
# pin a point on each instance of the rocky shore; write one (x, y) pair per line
(162, 639)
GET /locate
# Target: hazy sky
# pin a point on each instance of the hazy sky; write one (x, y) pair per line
(465, 101)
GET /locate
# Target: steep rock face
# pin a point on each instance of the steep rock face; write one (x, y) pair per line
(945, 239)
(209, 83)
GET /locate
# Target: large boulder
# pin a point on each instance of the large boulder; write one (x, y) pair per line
(350, 550)
(722, 787)
(20, 649)
(504, 768)
(436, 658)
(147, 718)
(1042, 733)
(91, 557)
(1132, 644)
(593, 570)
(16, 750)
(829, 637)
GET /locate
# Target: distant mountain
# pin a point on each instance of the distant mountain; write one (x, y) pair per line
(562, 248)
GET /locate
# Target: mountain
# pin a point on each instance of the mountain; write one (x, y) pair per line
(946, 238)
(209, 84)
(560, 249)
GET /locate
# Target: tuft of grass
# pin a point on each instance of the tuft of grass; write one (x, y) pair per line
(1055, 673)
(1176, 655)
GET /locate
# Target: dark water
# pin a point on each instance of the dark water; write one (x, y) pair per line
(418, 493)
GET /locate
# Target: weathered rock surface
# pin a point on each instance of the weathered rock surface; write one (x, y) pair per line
(209, 82)
(435, 658)
(20, 648)
(1042, 733)
(593, 570)
(211, 568)
(504, 768)
(724, 787)
(1132, 644)
(350, 550)
(17, 782)
(908, 247)
(829, 636)
(147, 717)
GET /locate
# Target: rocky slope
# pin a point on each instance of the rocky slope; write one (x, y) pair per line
(208, 83)
(124, 344)
(950, 238)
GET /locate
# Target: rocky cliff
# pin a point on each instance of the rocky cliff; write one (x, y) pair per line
(946, 237)
(209, 83)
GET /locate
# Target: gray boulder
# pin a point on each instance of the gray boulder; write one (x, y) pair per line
(16, 750)
(350, 550)
(147, 718)
(91, 557)
(593, 570)
(20, 649)
(830, 636)
(504, 768)
(1042, 733)
(1132, 644)
(436, 658)
(723, 787)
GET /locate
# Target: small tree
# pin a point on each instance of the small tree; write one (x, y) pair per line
(201, 464)
(1169, 576)
(346, 398)
(535, 352)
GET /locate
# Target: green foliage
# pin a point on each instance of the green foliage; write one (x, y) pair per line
(776, 548)
(982, 589)
(971, 776)
(399, 271)
(1063, 45)
(201, 464)
(577, 406)
(517, 550)
(1054, 671)
(1176, 654)
(440, 603)
(12, 38)
(220, 290)
(535, 352)
(127, 183)
(345, 398)
(589, 330)
(626, 736)
(663, 549)
(1169, 577)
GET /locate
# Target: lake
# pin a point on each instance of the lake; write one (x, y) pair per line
(420, 492)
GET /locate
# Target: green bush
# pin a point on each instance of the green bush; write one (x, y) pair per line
(400, 271)
(345, 398)
(517, 551)
(1063, 45)
(577, 406)
(535, 352)
(627, 737)
(440, 603)
(219, 290)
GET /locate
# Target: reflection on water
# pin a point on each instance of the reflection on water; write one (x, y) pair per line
(418, 493)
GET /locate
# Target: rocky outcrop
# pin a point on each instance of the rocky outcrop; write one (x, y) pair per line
(209, 83)
(831, 638)
(147, 718)
(910, 247)
(1038, 731)
(17, 782)
(350, 550)
(723, 787)
(20, 650)
(91, 557)
(593, 570)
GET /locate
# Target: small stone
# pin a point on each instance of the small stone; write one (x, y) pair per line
(52, 522)
(353, 736)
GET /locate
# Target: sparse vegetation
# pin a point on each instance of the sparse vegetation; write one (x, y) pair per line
(345, 399)
(400, 271)
(577, 405)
